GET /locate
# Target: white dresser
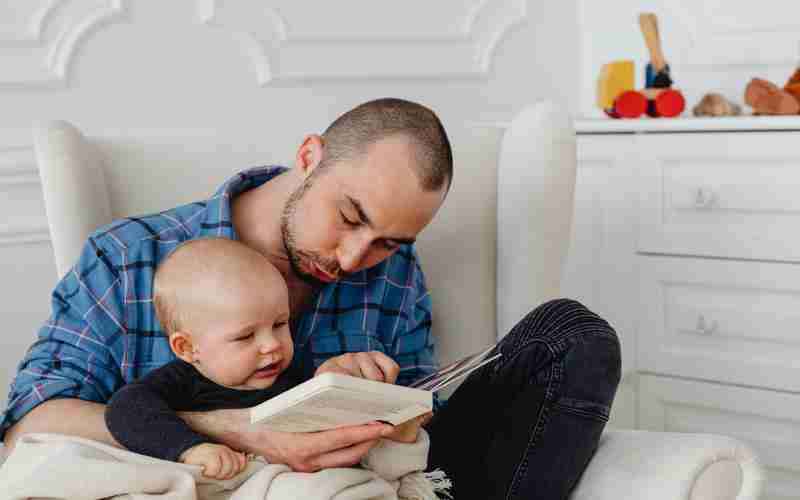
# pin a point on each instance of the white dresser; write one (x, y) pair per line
(687, 238)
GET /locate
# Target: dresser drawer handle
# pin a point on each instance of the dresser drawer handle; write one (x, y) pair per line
(704, 198)
(704, 328)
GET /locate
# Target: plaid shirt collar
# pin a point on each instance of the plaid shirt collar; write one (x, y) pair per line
(219, 218)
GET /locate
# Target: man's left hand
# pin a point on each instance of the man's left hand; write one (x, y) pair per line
(373, 365)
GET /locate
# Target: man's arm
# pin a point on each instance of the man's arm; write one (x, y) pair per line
(308, 452)
(73, 417)
(71, 370)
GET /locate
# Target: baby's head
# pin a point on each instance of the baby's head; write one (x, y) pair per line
(225, 308)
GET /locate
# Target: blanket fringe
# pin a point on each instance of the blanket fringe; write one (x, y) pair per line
(433, 485)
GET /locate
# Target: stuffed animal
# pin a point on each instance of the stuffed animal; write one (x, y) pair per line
(713, 104)
(766, 98)
(793, 85)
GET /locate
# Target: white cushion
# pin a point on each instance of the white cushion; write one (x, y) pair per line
(635, 465)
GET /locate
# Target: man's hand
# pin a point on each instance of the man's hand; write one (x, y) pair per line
(218, 461)
(407, 431)
(310, 452)
(303, 452)
(373, 365)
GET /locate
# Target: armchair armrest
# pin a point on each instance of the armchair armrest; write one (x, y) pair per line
(631, 465)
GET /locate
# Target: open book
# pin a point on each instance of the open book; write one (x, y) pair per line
(333, 400)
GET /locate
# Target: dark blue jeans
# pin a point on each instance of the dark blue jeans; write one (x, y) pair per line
(526, 425)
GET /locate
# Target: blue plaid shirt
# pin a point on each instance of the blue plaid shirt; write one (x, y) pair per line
(103, 331)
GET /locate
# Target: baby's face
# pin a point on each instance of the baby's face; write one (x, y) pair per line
(242, 339)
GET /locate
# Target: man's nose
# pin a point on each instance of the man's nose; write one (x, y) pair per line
(352, 252)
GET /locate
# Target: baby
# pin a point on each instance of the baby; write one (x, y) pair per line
(225, 308)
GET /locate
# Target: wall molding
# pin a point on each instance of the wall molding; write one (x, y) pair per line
(18, 170)
(34, 31)
(278, 56)
(36, 232)
(58, 52)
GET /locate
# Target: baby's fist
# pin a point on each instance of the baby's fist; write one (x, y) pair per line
(218, 461)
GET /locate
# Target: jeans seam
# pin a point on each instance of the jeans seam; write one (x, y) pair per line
(539, 424)
(583, 413)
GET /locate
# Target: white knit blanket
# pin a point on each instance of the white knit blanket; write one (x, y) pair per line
(56, 466)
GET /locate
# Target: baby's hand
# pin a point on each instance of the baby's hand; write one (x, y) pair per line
(407, 431)
(218, 461)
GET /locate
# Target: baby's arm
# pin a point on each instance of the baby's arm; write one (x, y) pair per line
(140, 416)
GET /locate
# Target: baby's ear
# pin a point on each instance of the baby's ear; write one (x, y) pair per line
(181, 344)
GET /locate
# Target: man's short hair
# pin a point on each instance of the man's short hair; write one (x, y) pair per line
(351, 134)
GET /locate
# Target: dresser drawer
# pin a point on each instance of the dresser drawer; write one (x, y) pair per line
(720, 194)
(768, 421)
(721, 320)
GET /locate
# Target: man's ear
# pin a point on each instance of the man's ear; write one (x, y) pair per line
(309, 154)
(181, 344)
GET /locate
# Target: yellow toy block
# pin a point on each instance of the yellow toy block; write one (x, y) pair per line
(615, 78)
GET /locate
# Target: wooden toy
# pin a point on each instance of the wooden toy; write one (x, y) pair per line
(616, 95)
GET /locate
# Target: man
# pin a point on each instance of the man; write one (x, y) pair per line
(340, 226)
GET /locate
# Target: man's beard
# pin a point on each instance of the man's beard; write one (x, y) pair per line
(289, 231)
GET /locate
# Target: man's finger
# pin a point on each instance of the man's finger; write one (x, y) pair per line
(425, 418)
(335, 439)
(344, 457)
(348, 364)
(369, 368)
(387, 365)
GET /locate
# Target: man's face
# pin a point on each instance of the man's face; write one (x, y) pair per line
(356, 213)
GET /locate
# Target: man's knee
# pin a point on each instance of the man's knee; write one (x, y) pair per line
(561, 319)
(589, 348)
(593, 365)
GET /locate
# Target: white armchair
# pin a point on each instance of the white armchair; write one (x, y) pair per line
(505, 226)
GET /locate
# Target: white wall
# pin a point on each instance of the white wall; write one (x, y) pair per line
(711, 45)
(261, 71)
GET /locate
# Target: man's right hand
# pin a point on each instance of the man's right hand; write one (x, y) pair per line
(303, 452)
(313, 451)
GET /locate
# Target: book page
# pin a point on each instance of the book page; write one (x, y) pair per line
(337, 407)
(456, 370)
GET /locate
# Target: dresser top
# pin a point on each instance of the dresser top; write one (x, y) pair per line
(686, 124)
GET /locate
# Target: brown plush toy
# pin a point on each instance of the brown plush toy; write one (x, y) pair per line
(766, 98)
(714, 104)
(793, 85)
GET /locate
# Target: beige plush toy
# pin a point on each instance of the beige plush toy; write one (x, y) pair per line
(713, 104)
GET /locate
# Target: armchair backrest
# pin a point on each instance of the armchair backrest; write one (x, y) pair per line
(495, 250)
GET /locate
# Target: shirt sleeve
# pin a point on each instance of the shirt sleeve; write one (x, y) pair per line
(141, 415)
(73, 355)
(413, 347)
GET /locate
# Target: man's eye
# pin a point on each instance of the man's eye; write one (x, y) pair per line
(349, 222)
(390, 245)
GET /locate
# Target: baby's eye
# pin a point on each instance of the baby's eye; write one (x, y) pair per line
(246, 337)
(280, 324)
(349, 222)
